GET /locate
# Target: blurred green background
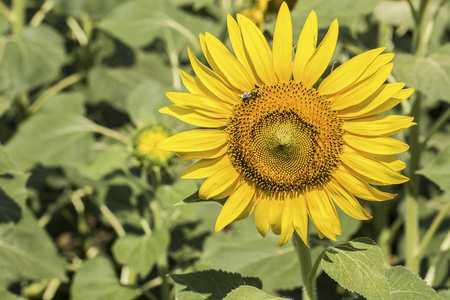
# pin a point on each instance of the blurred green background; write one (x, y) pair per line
(86, 214)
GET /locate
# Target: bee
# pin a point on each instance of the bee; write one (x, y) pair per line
(249, 95)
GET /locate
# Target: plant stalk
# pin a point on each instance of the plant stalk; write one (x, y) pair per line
(308, 279)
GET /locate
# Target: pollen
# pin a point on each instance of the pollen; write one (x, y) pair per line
(285, 139)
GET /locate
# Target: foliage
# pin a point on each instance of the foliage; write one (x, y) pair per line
(82, 217)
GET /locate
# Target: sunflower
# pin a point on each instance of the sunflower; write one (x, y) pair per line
(281, 142)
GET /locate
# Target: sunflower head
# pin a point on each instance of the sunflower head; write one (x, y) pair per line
(277, 139)
(145, 145)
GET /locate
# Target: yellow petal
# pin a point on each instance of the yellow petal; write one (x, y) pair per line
(287, 226)
(218, 182)
(261, 216)
(306, 46)
(378, 98)
(192, 117)
(300, 217)
(361, 90)
(213, 82)
(388, 160)
(380, 61)
(322, 213)
(257, 50)
(190, 82)
(235, 205)
(205, 167)
(378, 125)
(195, 140)
(275, 215)
(376, 108)
(247, 211)
(238, 47)
(371, 168)
(200, 103)
(282, 44)
(214, 153)
(319, 61)
(359, 188)
(231, 68)
(375, 145)
(348, 73)
(346, 201)
(228, 190)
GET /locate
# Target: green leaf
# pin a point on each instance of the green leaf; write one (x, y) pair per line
(249, 293)
(114, 85)
(195, 198)
(138, 22)
(108, 160)
(72, 102)
(241, 249)
(96, 279)
(141, 252)
(143, 103)
(53, 139)
(31, 59)
(5, 295)
(444, 294)
(348, 13)
(34, 254)
(406, 285)
(430, 75)
(358, 266)
(438, 170)
(13, 193)
(210, 284)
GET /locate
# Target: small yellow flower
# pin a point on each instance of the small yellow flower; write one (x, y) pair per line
(279, 143)
(264, 9)
(145, 145)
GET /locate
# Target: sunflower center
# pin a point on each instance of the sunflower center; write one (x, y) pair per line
(285, 138)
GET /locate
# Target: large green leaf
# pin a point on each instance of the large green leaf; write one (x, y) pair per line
(114, 85)
(406, 285)
(210, 284)
(143, 103)
(249, 293)
(358, 266)
(12, 189)
(5, 295)
(53, 139)
(138, 22)
(430, 74)
(33, 58)
(141, 252)
(12, 196)
(107, 160)
(348, 13)
(439, 169)
(241, 249)
(27, 251)
(96, 279)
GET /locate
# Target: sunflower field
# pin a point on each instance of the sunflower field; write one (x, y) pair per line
(224, 149)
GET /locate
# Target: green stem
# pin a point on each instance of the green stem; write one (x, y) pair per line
(55, 89)
(431, 231)
(18, 10)
(308, 278)
(6, 12)
(108, 214)
(111, 134)
(437, 125)
(412, 215)
(37, 19)
(419, 43)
